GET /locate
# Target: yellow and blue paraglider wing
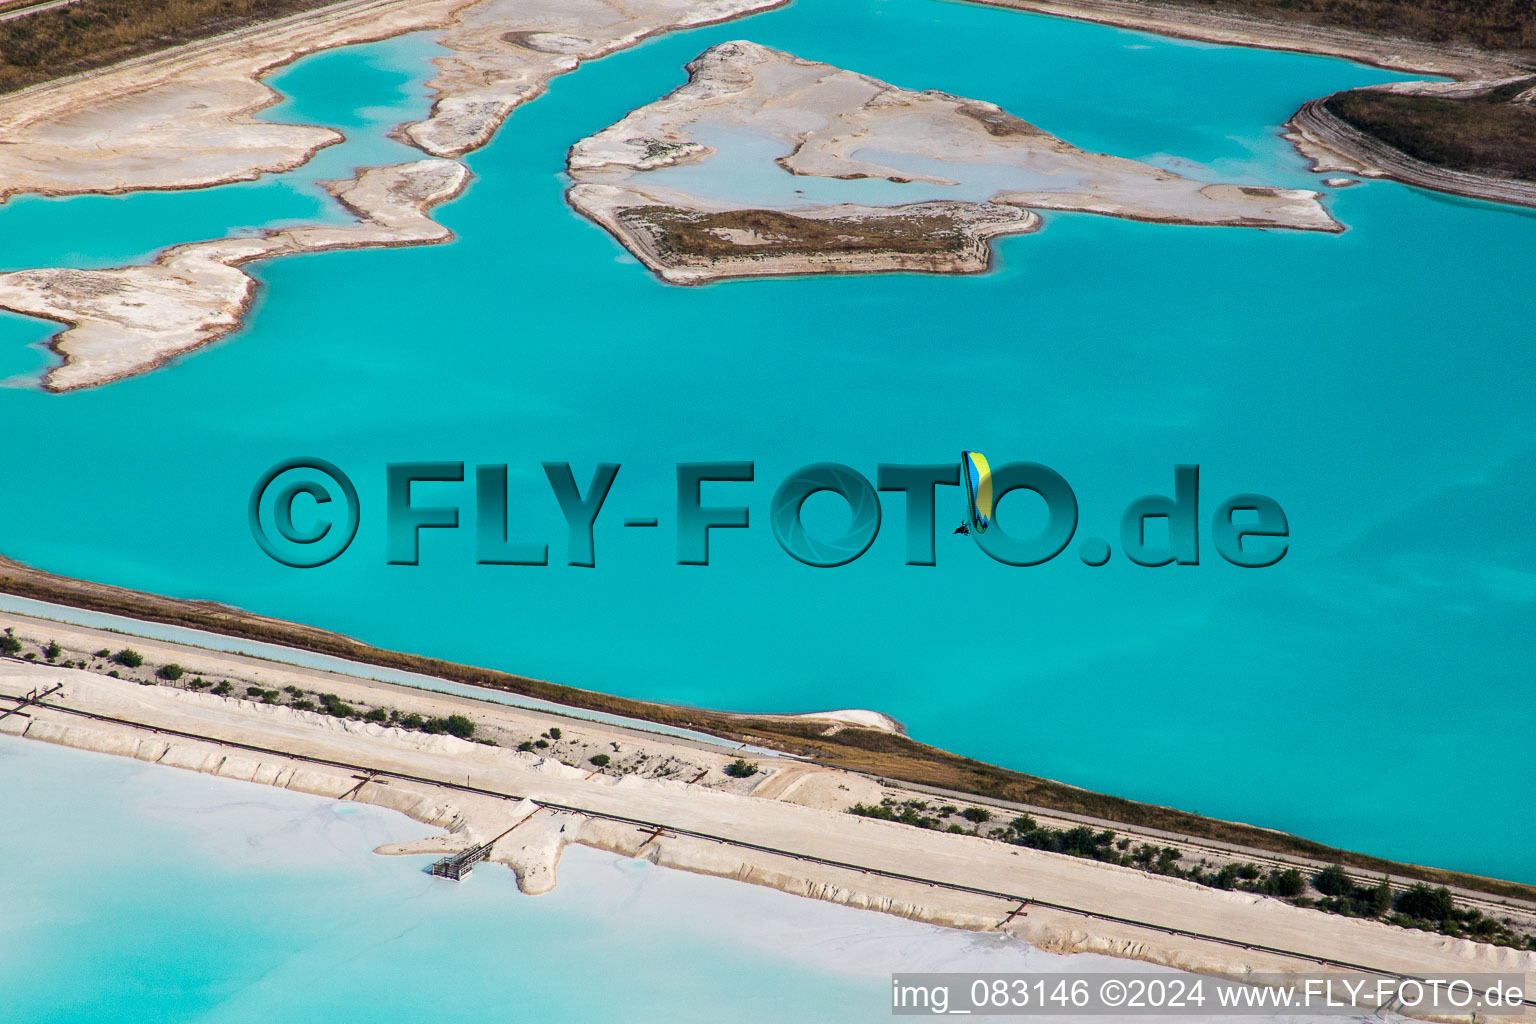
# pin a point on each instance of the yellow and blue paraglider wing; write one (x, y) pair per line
(978, 488)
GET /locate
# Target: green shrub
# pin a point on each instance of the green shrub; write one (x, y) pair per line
(976, 814)
(224, 689)
(412, 721)
(541, 744)
(128, 658)
(1023, 823)
(1288, 883)
(1334, 881)
(53, 650)
(526, 746)
(115, 674)
(335, 706)
(1420, 901)
(1379, 900)
(103, 653)
(463, 728)
(554, 732)
(303, 705)
(741, 768)
(601, 760)
(9, 644)
(171, 673)
(956, 829)
(377, 715)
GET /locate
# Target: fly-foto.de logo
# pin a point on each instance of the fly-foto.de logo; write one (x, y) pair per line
(1247, 530)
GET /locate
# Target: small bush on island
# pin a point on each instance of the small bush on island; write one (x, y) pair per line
(1288, 883)
(910, 813)
(601, 760)
(1426, 904)
(454, 725)
(9, 644)
(741, 768)
(526, 746)
(170, 673)
(128, 658)
(103, 653)
(224, 689)
(336, 707)
(377, 715)
(53, 650)
(977, 815)
(554, 732)
(1334, 881)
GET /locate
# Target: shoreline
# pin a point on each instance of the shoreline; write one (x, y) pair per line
(776, 830)
(123, 322)
(1328, 142)
(1227, 28)
(879, 756)
(1333, 144)
(194, 104)
(823, 117)
(197, 103)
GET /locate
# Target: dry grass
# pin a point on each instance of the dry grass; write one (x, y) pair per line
(1488, 135)
(877, 753)
(1508, 25)
(95, 33)
(687, 234)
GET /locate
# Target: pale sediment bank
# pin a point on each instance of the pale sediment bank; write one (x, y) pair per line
(784, 827)
(1333, 144)
(506, 51)
(835, 124)
(125, 321)
(183, 119)
(1230, 28)
(1329, 142)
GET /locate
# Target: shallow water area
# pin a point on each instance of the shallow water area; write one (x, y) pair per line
(165, 896)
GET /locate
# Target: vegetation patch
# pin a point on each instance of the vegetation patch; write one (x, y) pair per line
(91, 34)
(1490, 24)
(1428, 908)
(1490, 135)
(688, 234)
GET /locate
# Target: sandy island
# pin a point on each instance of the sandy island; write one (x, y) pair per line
(126, 321)
(183, 118)
(671, 800)
(831, 123)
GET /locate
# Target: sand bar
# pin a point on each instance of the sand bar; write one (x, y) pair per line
(975, 171)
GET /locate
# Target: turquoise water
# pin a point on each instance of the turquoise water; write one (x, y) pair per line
(220, 902)
(1375, 383)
